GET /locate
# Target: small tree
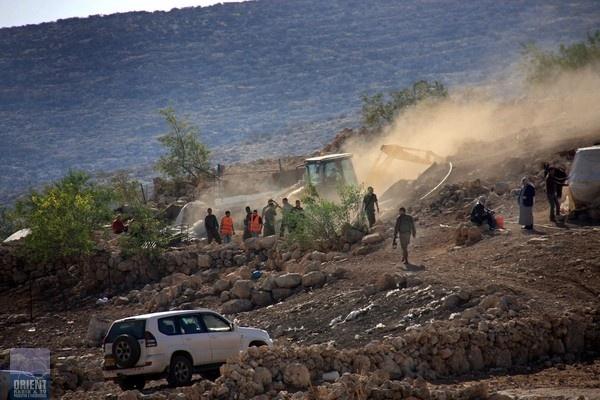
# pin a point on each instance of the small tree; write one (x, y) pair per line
(187, 158)
(63, 217)
(378, 112)
(126, 190)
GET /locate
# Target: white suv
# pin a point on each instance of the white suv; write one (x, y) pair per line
(173, 344)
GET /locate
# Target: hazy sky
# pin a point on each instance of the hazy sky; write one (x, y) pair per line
(23, 12)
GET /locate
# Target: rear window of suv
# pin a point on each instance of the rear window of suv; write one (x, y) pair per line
(133, 327)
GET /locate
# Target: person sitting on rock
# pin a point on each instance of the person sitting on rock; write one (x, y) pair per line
(118, 226)
(480, 214)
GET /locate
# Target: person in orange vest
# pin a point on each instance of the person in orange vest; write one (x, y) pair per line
(256, 224)
(227, 227)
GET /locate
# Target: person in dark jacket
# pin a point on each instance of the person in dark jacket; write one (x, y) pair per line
(555, 180)
(526, 200)
(212, 227)
(247, 233)
(480, 214)
(405, 227)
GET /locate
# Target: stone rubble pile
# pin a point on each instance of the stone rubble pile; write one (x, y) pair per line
(438, 350)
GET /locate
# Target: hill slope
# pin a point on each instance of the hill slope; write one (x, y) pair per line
(284, 75)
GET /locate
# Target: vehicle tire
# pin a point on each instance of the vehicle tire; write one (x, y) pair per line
(257, 344)
(132, 382)
(126, 351)
(180, 371)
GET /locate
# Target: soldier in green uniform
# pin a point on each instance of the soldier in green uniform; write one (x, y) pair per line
(369, 205)
(268, 216)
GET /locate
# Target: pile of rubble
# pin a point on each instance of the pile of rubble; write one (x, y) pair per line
(441, 349)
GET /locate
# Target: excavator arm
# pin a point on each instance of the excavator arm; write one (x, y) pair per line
(410, 154)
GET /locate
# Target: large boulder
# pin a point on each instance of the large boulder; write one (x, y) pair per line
(204, 261)
(288, 281)
(474, 235)
(221, 285)
(242, 289)
(314, 278)
(318, 256)
(252, 243)
(373, 238)
(267, 283)
(280, 294)
(261, 298)
(267, 242)
(97, 329)
(236, 306)
(352, 235)
(296, 375)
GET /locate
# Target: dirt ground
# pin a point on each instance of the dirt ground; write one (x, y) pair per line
(556, 267)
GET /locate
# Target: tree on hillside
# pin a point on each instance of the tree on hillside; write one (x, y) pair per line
(378, 111)
(543, 65)
(63, 217)
(187, 158)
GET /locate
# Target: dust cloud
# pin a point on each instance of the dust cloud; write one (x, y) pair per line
(565, 107)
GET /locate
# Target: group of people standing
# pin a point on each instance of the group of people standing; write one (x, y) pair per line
(255, 224)
(555, 178)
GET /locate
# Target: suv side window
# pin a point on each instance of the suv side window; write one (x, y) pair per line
(168, 326)
(190, 324)
(214, 323)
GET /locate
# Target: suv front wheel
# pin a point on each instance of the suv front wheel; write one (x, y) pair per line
(180, 371)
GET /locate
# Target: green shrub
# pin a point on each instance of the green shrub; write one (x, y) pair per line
(146, 235)
(63, 217)
(377, 111)
(321, 225)
(541, 66)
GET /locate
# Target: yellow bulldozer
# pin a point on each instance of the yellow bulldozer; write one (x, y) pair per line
(326, 173)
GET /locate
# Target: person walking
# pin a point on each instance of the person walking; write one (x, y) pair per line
(268, 216)
(256, 224)
(526, 200)
(247, 234)
(227, 229)
(212, 227)
(405, 227)
(285, 220)
(369, 204)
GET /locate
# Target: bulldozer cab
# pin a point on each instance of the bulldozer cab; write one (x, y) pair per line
(326, 173)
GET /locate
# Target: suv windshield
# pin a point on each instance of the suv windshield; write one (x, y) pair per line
(133, 327)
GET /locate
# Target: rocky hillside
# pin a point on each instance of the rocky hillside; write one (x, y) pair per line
(260, 78)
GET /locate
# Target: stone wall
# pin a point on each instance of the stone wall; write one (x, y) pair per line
(438, 350)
